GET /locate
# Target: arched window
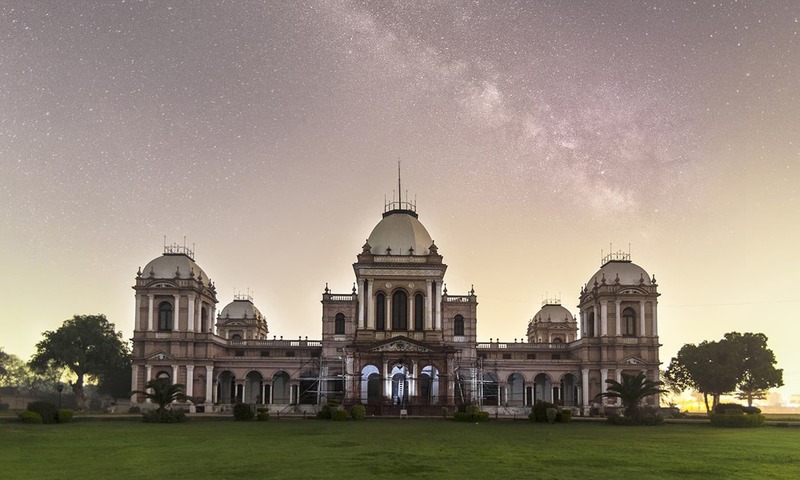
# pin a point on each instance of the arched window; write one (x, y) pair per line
(558, 340)
(236, 337)
(458, 326)
(380, 311)
(399, 310)
(590, 325)
(628, 322)
(165, 316)
(204, 320)
(338, 324)
(419, 312)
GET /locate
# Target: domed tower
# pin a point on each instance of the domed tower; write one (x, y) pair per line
(175, 303)
(241, 320)
(552, 324)
(619, 324)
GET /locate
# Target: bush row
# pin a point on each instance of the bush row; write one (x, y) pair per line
(164, 416)
(45, 412)
(549, 412)
(737, 420)
(470, 413)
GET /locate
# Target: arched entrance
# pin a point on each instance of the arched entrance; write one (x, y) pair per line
(429, 386)
(252, 388)
(226, 386)
(542, 388)
(370, 385)
(399, 376)
(569, 390)
(280, 388)
(515, 390)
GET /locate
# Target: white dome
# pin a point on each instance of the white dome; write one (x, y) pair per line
(401, 231)
(172, 265)
(553, 313)
(240, 309)
(624, 271)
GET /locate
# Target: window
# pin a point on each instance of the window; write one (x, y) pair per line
(236, 337)
(590, 325)
(380, 312)
(556, 356)
(265, 353)
(165, 316)
(531, 356)
(558, 340)
(290, 353)
(399, 310)
(338, 327)
(204, 320)
(419, 312)
(506, 356)
(239, 353)
(458, 326)
(628, 322)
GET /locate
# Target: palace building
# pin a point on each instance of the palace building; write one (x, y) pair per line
(397, 341)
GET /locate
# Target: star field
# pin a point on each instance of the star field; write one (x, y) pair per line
(532, 133)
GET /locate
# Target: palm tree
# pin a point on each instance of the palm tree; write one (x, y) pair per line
(632, 390)
(162, 392)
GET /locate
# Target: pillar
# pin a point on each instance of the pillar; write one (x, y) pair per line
(138, 313)
(387, 381)
(134, 381)
(175, 374)
(604, 318)
(176, 315)
(389, 321)
(617, 307)
(654, 316)
(596, 329)
(360, 306)
(642, 330)
(438, 306)
(603, 378)
(189, 380)
(428, 305)
(585, 388)
(150, 313)
(148, 372)
(190, 317)
(209, 384)
(371, 306)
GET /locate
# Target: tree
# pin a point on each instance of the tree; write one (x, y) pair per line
(758, 366)
(85, 344)
(162, 392)
(717, 368)
(632, 390)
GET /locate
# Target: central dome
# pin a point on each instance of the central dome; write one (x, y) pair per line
(399, 233)
(623, 272)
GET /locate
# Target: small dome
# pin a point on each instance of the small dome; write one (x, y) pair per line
(553, 312)
(241, 308)
(172, 265)
(624, 271)
(400, 231)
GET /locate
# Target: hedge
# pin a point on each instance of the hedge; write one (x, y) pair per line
(737, 420)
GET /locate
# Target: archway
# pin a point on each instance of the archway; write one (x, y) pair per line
(252, 388)
(515, 388)
(280, 388)
(542, 388)
(226, 387)
(399, 376)
(429, 385)
(370, 385)
(569, 390)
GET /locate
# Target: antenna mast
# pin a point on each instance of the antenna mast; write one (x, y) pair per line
(399, 190)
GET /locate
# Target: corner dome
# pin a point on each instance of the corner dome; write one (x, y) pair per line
(241, 307)
(623, 272)
(554, 313)
(399, 233)
(174, 265)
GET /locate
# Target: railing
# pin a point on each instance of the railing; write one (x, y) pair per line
(400, 258)
(457, 298)
(275, 343)
(524, 346)
(342, 298)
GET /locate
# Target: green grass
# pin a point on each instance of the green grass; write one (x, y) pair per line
(393, 449)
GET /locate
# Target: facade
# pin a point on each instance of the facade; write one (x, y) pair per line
(397, 341)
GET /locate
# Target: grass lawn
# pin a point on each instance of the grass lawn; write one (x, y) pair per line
(393, 449)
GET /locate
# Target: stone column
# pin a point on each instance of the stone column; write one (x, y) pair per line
(654, 316)
(389, 320)
(134, 381)
(148, 373)
(412, 380)
(370, 306)
(604, 318)
(596, 326)
(642, 325)
(387, 381)
(175, 374)
(585, 392)
(603, 378)
(209, 384)
(189, 380)
(438, 306)
(176, 315)
(150, 313)
(190, 317)
(138, 313)
(428, 305)
(360, 306)
(212, 319)
(617, 307)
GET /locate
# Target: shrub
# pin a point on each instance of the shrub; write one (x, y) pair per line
(551, 414)
(262, 414)
(242, 412)
(340, 415)
(65, 415)
(539, 411)
(737, 420)
(565, 417)
(644, 419)
(325, 412)
(30, 417)
(47, 410)
(472, 413)
(728, 408)
(445, 412)
(751, 410)
(164, 416)
(135, 409)
(358, 412)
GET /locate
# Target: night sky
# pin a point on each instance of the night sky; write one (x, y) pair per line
(533, 135)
